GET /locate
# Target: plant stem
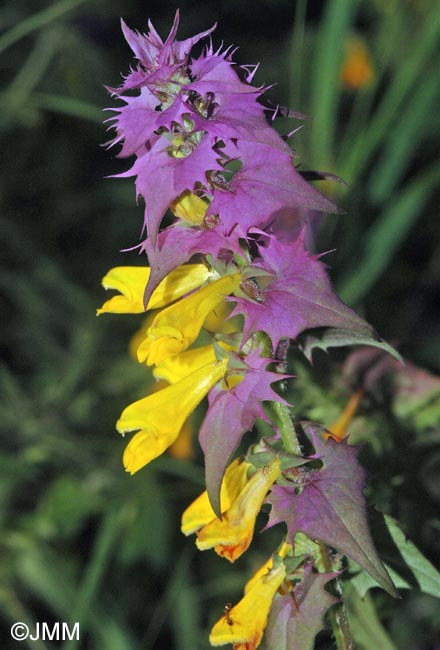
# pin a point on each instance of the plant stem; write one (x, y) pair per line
(283, 420)
(338, 613)
(280, 412)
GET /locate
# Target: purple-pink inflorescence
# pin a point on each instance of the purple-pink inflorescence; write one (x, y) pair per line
(190, 122)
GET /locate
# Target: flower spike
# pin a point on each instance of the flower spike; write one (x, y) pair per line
(230, 284)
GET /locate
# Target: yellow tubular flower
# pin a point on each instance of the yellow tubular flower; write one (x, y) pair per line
(176, 327)
(176, 368)
(231, 536)
(160, 416)
(285, 549)
(244, 624)
(131, 281)
(200, 512)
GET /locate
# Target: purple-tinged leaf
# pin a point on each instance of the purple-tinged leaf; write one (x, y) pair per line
(135, 122)
(161, 178)
(296, 618)
(299, 296)
(177, 244)
(234, 111)
(332, 337)
(230, 414)
(217, 68)
(156, 56)
(267, 184)
(331, 506)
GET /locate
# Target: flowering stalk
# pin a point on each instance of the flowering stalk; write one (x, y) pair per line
(229, 282)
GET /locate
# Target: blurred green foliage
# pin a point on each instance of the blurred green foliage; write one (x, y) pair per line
(80, 539)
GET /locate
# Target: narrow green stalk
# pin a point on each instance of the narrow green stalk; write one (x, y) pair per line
(33, 69)
(364, 99)
(337, 613)
(403, 83)
(338, 17)
(94, 572)
(67, 106)
(280, 412)
(162, 611)
(297, 54)
(387, 233)
(34, 22)
(283, 421)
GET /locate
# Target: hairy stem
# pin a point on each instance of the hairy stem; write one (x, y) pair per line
(283, 421)
(280, 412)
(337, 613)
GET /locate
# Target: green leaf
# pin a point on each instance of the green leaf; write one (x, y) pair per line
(363, 582)
(366, 628)
(332, 337)
(46, 575)
(426, 575)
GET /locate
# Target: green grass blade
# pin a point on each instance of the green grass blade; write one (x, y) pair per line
(329, 52)
(386, 41)
(36, 21)
(297, 55)
(176, 584)
(93, 574)
(70, 106)
(386, 235)
(404, 81)
(185, 618)
(33, 69)
(404, 138)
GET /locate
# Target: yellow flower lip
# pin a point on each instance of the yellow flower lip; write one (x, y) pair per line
(231, 536)
(164, 342)
(179, 366)
(284, 549)
(200, 512)
(244, 624)
(131, 281)
(159, 418)
(176, 327)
